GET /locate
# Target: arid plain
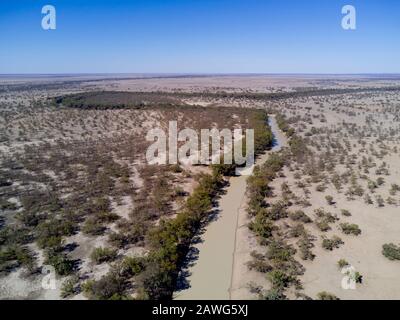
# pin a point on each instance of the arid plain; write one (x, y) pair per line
(77, 194)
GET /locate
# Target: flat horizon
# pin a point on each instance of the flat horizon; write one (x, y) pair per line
(202, 74)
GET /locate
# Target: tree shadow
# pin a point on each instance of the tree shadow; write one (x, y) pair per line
(182, 282)
(71, 246)
(77, 264)
(275, 143)
(192, 256)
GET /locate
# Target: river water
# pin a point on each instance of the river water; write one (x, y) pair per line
(210, 275)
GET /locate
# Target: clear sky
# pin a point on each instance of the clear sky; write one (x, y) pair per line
(200, 36)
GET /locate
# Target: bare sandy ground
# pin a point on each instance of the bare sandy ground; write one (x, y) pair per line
(240, 83)
(202, 82)
(380, 275)
(379, 226)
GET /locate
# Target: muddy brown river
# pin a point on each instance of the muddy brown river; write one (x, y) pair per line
(210, 276)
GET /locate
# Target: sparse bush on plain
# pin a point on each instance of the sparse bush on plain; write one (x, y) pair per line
(69, 287)
(299, 215)
(329, 200)
(100, 255)
(346, 213)
(342, 263)
(391, 251)
(352, 229)
(330, 244)
(326, 296)
(109, 287)
(61, 263)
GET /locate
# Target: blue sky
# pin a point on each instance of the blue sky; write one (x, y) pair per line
(200, 36)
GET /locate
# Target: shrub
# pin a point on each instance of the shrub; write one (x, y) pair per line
(133, 265)
(358, 277)
(93, 227)
(330, 244)
(391, 251)
(262, 226)
(259, 263)
(297, 230)
(394, 189)
(321, 213)
(305, 244)
(68, 287)
(106, 217)
(118, 240)
(368, 199)
(100, 255)
(326, 296)
(329, 200)
(176, 168)
(274, 294)
(350, 229)
(228, 170)
(109, 287)
(30, 219)
(179, 192)
(299, 216)
(391, 201)
(50, 242)
(380, 201)
(62, 265)
(16, 255)
(155, 283)
(278, 251)
(346, 213)
(322, 225)
(277, 211)
(254, 288)
(280, 279)
(7, 205)
(12, 235)
(50, 233)
(342, 263)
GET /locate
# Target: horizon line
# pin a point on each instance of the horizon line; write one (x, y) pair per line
(166, 74)
(262, 73)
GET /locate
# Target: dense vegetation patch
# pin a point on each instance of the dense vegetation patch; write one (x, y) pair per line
(106, 100)
(276, 96)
